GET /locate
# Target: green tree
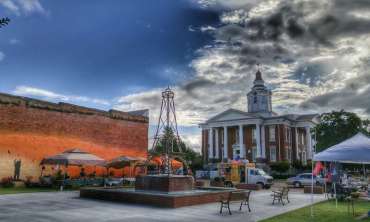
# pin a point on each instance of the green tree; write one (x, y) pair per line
(336, 127)
(192, 158)
(168, 138)
(4, 21)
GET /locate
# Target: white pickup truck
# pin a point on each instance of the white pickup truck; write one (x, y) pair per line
(258, 176)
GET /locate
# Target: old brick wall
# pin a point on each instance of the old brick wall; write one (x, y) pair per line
(32, 129)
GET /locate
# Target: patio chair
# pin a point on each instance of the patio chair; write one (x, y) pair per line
(280, 195)
(233, 196)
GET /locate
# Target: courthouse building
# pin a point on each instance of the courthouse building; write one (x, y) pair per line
(258, 135)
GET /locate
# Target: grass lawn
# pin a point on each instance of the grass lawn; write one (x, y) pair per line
(324, 212)
(14, 190)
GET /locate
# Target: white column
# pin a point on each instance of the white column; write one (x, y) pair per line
(217, 155)
(241, 142)
(258, 140)
(210, 142)
(296, 142)
(225, 143)
(263, 142)
(309, 142)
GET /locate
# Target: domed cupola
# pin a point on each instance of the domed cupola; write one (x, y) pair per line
(259, 98)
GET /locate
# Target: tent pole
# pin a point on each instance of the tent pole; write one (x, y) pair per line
(312, 187)
(335, 193)
(313, 151)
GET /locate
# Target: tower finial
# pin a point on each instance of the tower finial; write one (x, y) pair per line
(258, 73)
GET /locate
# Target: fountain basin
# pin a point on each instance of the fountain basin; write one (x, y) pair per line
(164, 183)
(156, 198)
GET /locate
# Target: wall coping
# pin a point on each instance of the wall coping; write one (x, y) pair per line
(8, 99)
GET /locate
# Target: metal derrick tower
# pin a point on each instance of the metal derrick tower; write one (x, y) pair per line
(167, 122)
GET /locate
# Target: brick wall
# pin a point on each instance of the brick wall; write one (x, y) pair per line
(32, 129)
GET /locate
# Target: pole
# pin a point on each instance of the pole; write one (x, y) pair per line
(312, 187)
(335, 193)
(313, 151)
(64, 177)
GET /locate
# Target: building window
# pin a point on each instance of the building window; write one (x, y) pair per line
(272, 134)
(273, 154)
(254, 154)
(236, 136)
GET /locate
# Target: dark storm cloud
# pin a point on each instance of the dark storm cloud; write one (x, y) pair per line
(308, 48)
(289, 20)
(350, 5)
(355, 95)
(193, 85)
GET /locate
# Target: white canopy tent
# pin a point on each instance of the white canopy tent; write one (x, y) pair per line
(353, 150)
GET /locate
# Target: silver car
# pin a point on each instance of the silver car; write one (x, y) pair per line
(305, 179)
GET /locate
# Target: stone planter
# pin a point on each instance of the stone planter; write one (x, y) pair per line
(316, 189)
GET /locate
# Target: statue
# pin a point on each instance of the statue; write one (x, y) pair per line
(17, 168)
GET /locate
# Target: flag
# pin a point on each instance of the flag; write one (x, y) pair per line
(318, 168)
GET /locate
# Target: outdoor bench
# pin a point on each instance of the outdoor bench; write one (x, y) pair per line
(280, 195)
(235, 196)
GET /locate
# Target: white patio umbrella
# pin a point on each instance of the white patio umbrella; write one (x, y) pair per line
(73, 157)
(122, 161)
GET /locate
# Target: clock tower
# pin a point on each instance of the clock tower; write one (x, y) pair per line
(259, 98)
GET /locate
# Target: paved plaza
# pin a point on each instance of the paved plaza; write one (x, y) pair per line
(67, 206)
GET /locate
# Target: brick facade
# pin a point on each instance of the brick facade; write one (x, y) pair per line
(32, 129)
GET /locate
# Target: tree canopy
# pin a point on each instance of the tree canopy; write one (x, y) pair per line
(336, 127)
(193, 158)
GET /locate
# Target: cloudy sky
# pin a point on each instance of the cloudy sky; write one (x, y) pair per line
(315, 55)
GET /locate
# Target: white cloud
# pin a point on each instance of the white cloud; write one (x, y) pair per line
(191, 29)
(49, 95)
(10, 5)
(26, 7)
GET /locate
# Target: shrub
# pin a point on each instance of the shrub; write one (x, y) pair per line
(280, 167)
(300, 168)
(219, 179)
(7, 182)
(281, 176)
(28, 182)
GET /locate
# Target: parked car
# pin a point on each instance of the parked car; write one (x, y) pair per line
(305, 179)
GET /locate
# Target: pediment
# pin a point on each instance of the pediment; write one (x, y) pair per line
(231, 114)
